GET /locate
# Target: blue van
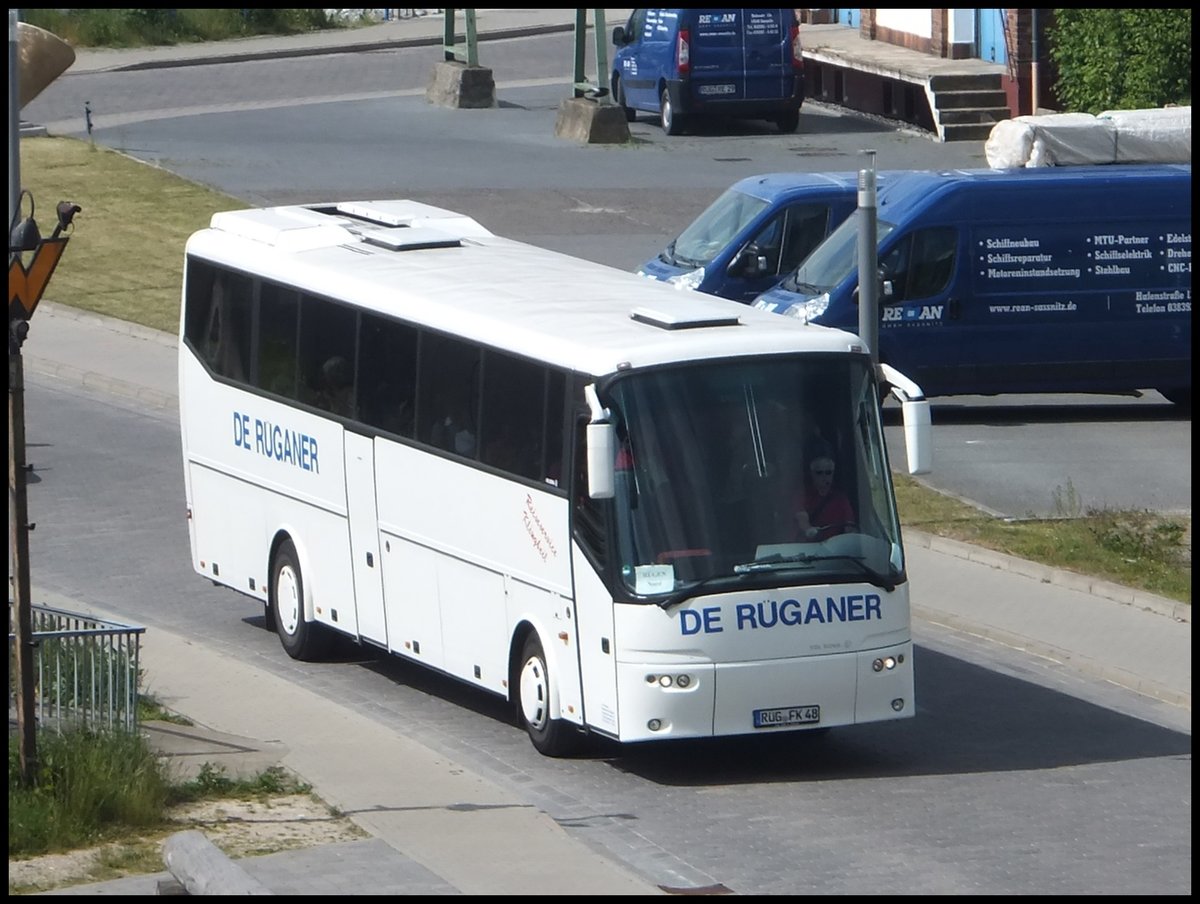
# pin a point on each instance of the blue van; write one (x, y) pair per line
(1057, 279)
(755, 233)
(684, 64)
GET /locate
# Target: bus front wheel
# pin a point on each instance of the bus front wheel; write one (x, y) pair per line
(551, 737)
(301, 639)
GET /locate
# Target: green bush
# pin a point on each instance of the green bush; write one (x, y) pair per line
(87, 785)
(1121, 59)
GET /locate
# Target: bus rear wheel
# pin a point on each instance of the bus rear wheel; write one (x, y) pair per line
(551, 737)
(301, 639)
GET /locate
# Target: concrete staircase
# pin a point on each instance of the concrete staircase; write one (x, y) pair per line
(965, 107)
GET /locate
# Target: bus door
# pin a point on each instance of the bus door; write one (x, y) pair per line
(364, 536)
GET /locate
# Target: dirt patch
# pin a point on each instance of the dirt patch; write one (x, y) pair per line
(240, 828)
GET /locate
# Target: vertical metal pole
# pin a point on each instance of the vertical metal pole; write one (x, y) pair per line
(868, 277)
(14, 118)
(448, 53)
(1033, 69)
(19, 531)
(19, 517)
(601, 37)
(580, 52)
(472, 39)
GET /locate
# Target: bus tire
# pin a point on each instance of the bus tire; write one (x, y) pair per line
(550, 737)
(301, 639)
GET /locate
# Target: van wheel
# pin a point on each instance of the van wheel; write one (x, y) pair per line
(551, 737)
(303, 640)
(788, 122)
(672, 123)
(619, 93)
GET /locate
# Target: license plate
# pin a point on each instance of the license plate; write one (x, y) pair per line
(786, 715)
(718, 89)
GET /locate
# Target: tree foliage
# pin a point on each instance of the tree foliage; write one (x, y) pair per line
(1121, 59)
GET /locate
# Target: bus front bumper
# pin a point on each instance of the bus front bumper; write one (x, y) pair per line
(765, 697)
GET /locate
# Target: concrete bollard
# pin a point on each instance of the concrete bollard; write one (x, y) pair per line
(203, 869)
(591, 122)
(457, 85)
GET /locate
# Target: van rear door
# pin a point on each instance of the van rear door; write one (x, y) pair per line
(742, 54)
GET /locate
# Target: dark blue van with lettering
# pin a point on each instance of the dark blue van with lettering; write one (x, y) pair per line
(755, 233)
(1054, 279)
(685, 64)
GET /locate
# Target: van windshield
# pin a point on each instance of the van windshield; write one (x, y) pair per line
(834, 259)
(714, 229)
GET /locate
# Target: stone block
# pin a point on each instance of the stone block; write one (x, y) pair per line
(591, 122)
(455, 84)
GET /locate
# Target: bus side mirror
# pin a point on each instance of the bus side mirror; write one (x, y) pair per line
(618, 36)
(918, 438)
(601, 452)
(918, 431)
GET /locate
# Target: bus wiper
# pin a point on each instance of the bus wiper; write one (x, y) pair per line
(667, 255)
(693, 588)
(780, 562)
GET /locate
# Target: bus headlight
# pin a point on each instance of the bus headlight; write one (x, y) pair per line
(886, 662)
(690, 280)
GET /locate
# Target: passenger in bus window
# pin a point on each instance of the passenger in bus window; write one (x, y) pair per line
(822, 510)
(453, 432)
(337, 387)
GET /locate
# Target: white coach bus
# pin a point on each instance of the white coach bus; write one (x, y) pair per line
(553, 480)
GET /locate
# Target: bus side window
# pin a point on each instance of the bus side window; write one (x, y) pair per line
(327, 332)
(225, 343)
(278, 315)
(387, 376)
(448, 394)
(556, 437)
(514, 406)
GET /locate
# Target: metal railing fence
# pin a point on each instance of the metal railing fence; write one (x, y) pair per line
(86, 670)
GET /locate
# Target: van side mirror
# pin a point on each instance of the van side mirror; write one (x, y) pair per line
(749, 262)
(618, 36)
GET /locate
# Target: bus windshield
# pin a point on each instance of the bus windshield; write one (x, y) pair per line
(714, 229)
(752, 473)
(834, 259)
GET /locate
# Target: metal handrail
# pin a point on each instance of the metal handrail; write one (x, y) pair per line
(87, 670)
